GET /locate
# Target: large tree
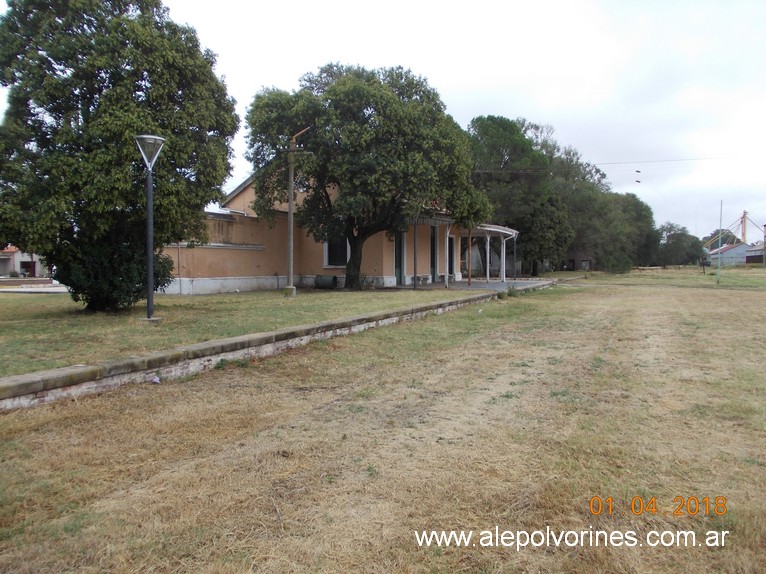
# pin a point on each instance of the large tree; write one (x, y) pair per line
(382, 152)
(85, 78)
(678, 246)
(617, 230)
(517, 180)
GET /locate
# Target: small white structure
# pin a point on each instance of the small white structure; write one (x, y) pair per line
(14, 262)
(488, 231)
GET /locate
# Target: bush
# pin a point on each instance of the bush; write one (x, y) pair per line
(110, 274)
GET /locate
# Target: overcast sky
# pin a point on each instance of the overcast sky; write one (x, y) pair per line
(675, 89)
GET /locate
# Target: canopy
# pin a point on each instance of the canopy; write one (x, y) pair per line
(489, 230)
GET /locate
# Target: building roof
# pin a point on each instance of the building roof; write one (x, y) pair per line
(237, 190)
(435, 219)
(493, 230)
(498, 230)
(727, 248)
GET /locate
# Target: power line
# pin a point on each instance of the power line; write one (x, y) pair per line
(578, 167)
(656, 161)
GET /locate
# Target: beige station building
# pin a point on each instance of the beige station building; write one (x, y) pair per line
(246, 253)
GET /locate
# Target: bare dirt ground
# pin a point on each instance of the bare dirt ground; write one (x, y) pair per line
(512, 414)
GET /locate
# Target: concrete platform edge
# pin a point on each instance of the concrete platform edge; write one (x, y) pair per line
(41, 387)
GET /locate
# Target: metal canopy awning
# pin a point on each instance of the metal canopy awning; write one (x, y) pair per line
(493, 231)
(489, 230)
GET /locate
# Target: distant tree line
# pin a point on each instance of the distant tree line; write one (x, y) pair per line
(562, 204)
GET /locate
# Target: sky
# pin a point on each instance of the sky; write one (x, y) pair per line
(673, 89)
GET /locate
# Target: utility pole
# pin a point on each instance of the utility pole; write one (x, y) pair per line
(720, 226)
(290, 289)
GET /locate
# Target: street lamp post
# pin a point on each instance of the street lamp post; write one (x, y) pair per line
(150, 147)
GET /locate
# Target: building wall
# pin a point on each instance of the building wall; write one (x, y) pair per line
(243, 253)
(730, 256)
(755, 253)
(580, 261)
(246, 253)
(423, 250)
(25, 264)
(7, 261)
(378, 259)
(383, 249)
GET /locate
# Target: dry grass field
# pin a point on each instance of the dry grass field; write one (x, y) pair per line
(513, 414)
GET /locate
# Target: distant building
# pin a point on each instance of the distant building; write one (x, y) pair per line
(244, 252)
(730, 255)
(755, 253)
(580, 261)
(13, 262)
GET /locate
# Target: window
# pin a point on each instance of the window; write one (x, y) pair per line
(336, 253)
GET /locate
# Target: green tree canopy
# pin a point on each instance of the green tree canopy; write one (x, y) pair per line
(678, 246)
(617, 230)
(85, 78)
(516, 179)
(383, 151)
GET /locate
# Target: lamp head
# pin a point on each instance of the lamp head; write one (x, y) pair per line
(150, 147)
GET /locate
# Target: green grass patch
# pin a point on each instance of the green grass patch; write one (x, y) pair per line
(741, 277)
(49, 331)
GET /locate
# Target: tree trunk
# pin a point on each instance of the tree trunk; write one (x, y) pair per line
(354, 263)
